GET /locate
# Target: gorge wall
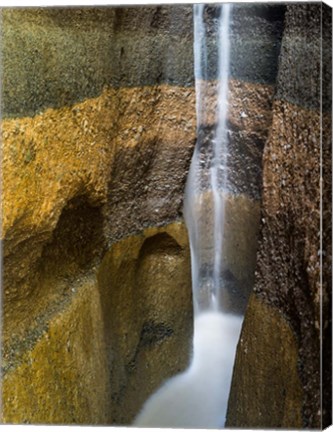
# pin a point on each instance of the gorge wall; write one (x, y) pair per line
(281, 359)
(85, 158)
(98, 130)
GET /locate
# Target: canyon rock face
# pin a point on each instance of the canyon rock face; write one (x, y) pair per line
(293, 282)
(98, 128)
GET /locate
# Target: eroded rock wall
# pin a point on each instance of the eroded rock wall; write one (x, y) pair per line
(63, 161)
(292, 289)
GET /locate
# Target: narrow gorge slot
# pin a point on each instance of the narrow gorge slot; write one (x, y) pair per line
(199, 396)
(204, 203)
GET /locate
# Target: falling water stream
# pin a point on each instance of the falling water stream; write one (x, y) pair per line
(204, 205)
(198, 397)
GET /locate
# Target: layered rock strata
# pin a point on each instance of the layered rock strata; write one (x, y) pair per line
(293, 278)
(57, 180)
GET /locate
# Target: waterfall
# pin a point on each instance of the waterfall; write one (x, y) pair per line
(204, 206)
(198, 397)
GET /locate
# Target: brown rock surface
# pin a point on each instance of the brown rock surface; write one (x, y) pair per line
(145, 289)
(267, 393)
(56, 169)
(290, 276)
(288, 266)
(59, 377)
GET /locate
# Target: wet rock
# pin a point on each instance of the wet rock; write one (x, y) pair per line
(249, 119)
(105, 154)
(149, 174)
(255, 37)
(241, 218)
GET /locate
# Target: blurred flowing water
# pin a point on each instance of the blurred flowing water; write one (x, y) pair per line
(198, 397)
(204, 203)
(204, 211)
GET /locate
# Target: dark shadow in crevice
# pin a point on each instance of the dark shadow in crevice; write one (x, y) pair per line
(159, 243)
(77, 242)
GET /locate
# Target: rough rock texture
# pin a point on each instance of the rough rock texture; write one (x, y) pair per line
(62, 159)
(289, 274)
(120, 47)
(327, 216)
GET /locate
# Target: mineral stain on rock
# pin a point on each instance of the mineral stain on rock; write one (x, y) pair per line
(154, 333)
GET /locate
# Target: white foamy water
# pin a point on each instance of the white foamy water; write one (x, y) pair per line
(198, 397)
